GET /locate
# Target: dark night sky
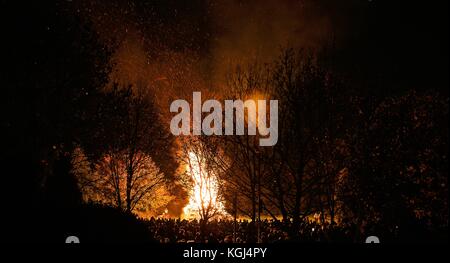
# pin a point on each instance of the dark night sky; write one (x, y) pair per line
(402, 43)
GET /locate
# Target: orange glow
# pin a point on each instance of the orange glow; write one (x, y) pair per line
(204, 194)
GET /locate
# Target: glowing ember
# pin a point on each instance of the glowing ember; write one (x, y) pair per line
(204, 198)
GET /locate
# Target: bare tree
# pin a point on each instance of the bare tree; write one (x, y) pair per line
(247, 157)
(311, 114)
(125, 171)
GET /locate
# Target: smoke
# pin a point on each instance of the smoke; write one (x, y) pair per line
(259, 29)
(178, 47)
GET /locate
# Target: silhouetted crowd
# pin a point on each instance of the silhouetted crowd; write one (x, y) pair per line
(243, 231)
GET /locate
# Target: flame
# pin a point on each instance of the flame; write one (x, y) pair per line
(205, 190)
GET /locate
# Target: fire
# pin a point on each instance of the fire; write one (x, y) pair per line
(204, 196)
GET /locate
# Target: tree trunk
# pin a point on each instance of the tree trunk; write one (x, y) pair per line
(253, 195)
(128, 190)
(298, 202)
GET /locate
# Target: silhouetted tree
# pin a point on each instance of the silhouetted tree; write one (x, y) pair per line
(400, 161)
